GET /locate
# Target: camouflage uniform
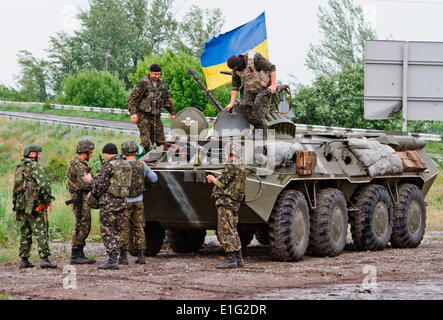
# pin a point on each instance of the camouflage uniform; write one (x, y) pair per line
(111, 187)
(31, 189)
(78, 168)
(147, 100)
(255, 97)
(134, 214)
(229, 194)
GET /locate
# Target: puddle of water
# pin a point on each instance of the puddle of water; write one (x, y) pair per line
(407, 290)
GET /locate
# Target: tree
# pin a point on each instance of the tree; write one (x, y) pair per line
(115, 35)
(344, 34)
(95, 89)
(198, 27)
(33, 79)
(183, 89)
(337, 100)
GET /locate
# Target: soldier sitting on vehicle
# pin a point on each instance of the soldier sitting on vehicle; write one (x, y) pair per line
(229, 193)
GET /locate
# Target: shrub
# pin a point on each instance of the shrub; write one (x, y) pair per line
(95, 89)
(183, 89)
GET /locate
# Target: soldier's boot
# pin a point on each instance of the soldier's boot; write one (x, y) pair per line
(26, 264)
(78, 257)
(239, 257)
(46, 264)
(112, 263)
(123, 257)
(85, 258)
(141, 257)
(231, 261)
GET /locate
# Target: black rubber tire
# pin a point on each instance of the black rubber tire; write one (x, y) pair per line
(186, 241)
(155, 235)
(363, 226)
(402, 235)
(322, 242)
(246, 237)
(262, 235)
(290, 211)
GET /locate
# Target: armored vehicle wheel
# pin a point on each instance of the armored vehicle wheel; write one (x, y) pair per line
(186, 241)
(371, 226)
(409, 218)
(155, 235)
(246, 237)
(329, 224)
(261, 234)
(289, 227)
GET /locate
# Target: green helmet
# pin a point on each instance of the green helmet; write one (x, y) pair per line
(130, 148)
(84, 146)
(31, 148)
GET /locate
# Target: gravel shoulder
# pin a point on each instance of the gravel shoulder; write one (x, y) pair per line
(399, 274)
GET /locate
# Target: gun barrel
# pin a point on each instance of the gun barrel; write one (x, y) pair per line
(207, 92)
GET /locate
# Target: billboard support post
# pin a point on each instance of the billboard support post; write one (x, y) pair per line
(405, 86)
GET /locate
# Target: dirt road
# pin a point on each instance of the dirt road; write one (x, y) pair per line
(399, 274)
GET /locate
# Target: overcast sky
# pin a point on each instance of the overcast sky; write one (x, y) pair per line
(291, 25)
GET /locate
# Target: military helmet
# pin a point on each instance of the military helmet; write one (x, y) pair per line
(130, 148)
(31, 148)
(233, 148)
(84, 146)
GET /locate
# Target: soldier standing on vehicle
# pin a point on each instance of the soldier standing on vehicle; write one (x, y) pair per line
(31, 199)
(79, 189)
(110, 188)
(259, 78)
(133, 221)
(146, 103)
(229, 193)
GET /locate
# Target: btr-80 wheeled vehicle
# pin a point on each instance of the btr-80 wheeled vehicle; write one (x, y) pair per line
(302, 190)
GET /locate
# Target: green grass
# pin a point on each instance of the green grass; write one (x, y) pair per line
(59, 143)
(77, 113)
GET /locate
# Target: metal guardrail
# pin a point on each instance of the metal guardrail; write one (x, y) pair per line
(299, 126)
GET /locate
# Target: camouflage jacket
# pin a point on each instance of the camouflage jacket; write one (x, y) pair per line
(100, 185)
(31, 187)
(78, 168)
(229, 189)
(260, 64)
(150, 99)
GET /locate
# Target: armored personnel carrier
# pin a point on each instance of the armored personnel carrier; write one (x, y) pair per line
(301, 194)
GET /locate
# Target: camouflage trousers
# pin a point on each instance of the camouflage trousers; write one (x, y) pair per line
(151, 130)
(82, 225)
(254, 107)
(227, 220)
(133, 223)
(32, 224)
(110, 230)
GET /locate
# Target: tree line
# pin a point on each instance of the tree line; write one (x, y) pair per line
(100, 63)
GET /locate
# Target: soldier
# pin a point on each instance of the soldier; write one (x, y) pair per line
(145, 105)
(31, 199)
(110, 188)
(229, 194)
(79, 189)
(259, 80)
(133, 221)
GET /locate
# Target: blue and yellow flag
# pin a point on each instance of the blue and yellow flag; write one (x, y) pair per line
(250, 36)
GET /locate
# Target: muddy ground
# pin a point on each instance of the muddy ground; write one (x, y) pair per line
(399, 274)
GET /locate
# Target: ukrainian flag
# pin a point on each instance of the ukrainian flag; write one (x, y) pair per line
(250, 36)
